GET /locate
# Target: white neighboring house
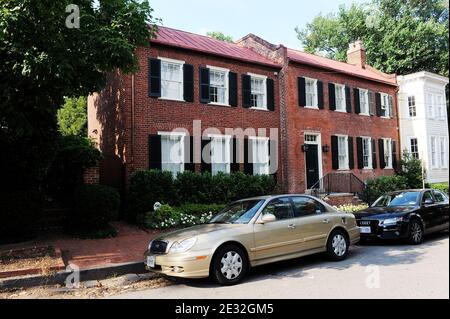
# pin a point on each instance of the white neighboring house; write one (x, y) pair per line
(423, 122)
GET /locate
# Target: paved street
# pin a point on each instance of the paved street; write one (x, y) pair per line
(375, 270)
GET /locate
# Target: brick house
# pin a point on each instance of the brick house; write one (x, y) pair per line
(327, 116)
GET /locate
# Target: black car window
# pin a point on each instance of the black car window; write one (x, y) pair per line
(427, 196)
(281, 208)
(305, 206)
(440, 198)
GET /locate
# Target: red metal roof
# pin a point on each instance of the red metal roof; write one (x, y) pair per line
(200, 43)
(341, 67)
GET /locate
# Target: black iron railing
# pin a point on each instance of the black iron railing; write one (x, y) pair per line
(332, 183)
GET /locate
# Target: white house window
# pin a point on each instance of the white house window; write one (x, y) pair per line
(443, 152)
(340, 97)
(430, 106)
(171, 79)
(218, 86)
(439, 107)
(414, 147)
(367, 152)
(260, 156)
(220, 154)
(434, 155)
(172, 153)
(385, 112)
(311, 93)
(412, 106)
(343, 152)
(388, 152)
(259, 94)
(364, 101)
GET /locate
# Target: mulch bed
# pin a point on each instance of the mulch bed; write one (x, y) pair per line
(29, 261)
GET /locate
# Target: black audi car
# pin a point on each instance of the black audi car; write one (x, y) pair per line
(408, 214)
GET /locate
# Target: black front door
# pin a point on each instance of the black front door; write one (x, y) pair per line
(312, 165)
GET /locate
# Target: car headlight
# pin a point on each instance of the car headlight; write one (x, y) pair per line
(183, 246)
(391, 221)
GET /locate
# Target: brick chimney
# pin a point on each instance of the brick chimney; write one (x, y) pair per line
(356, 54)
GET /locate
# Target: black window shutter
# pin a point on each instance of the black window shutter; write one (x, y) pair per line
(332, 96)
(154, 152)
(320, 95)
(381, 155)
(351, 153)
(248, 157)
(234, 167)
(374, 154)
(359, 152)
(246, 91)
(204, 86)
(188, 82)
(378, 103)
(270, 95)
(335, 152)
(206, 158)
(394, 154)
(189, 164)
(233, 89)
(348, 99)
(273, 160)
(357, 101)
(372, 110)
(154, 78)
(301, 91)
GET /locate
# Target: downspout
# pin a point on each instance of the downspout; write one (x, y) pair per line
(132, 122)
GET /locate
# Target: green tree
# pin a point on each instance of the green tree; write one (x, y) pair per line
(400, 36)
(72, 117)
(44, 59)
(411, 170)
(219, 36)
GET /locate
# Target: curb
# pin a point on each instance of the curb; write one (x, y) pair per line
(96, 273)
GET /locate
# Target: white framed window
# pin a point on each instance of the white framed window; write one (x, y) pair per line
(171, 79)
(430, 105)
(218, 86)
(343, 152)
(340, 97)
(364, 101)
(439, 106)
(311, 93)
(258, 91)
(367, 152)
(434, 151)
(412, 110)
(220, 154)
(414, 147)
(443, 152)
(261, 160)
(172, 152)
(385, 108)
(388, 152)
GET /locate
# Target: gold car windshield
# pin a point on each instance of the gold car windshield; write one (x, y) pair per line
(237, 213)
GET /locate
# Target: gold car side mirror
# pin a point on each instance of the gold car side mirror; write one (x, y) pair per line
(268, 218)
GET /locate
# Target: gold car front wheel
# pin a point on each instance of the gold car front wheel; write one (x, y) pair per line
(338, 245)
(230, 265)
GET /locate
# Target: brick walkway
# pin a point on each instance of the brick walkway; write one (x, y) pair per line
(128, 246)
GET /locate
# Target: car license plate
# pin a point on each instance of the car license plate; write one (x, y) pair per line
(151, 261)
(365, 230)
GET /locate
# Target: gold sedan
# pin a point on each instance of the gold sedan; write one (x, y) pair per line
(253, 232)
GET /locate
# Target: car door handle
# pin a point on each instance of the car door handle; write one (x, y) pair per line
(291, 226)
(326, 221)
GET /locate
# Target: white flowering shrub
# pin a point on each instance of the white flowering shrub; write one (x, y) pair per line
(167, 217)
(350, 208)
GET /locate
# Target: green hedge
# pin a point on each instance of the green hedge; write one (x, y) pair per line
(440, 186)
(379, 186)
(94, 207)
(148, 187)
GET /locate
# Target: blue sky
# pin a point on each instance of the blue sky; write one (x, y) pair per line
(275, 23)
